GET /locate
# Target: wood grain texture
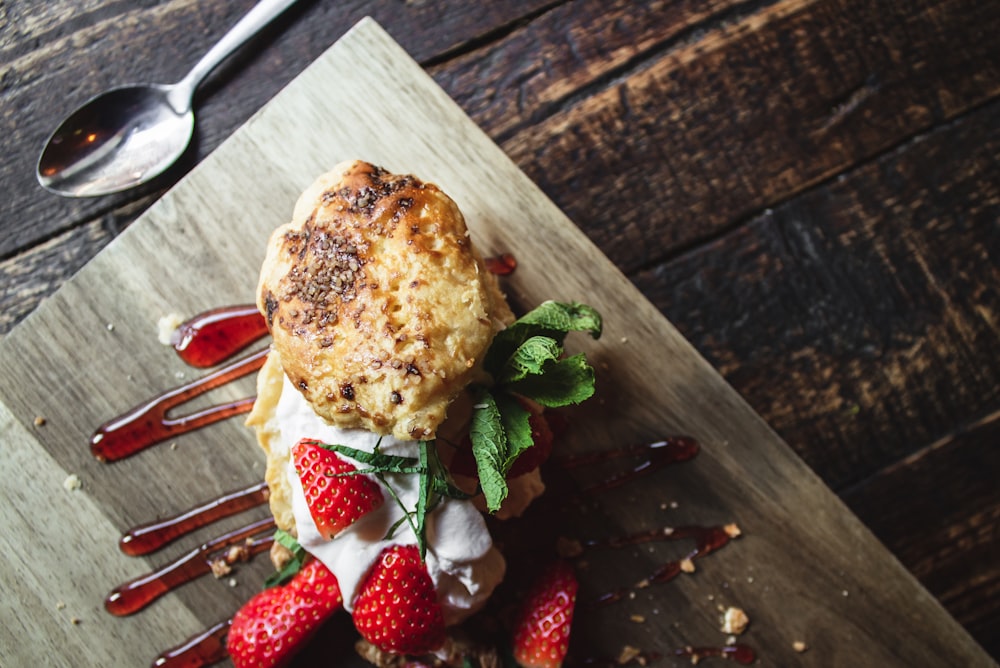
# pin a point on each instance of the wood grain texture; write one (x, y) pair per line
(197, 248)
(748, 114)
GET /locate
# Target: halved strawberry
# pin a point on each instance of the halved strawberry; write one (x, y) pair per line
(271, 627)
(397, 608)
(336, 495)
(542, 626)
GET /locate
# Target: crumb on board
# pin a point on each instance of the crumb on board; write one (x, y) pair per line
(627, 654)
(60, 605)
(638, 619)
(687, 565)
(166, 326)
(39, 421)
(734, 621)
(72, 483)
(799, 646)
(732, 530)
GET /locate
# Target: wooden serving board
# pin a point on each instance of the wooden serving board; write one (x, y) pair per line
(804, 570)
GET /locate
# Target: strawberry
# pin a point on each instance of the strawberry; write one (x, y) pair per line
(397, 608)
(270, 628)
(541, 630)
(336, 500)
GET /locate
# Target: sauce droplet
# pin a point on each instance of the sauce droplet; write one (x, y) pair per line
(216, 335)
(148, 423)
(147, 538)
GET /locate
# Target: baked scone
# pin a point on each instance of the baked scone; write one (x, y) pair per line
(379, 308)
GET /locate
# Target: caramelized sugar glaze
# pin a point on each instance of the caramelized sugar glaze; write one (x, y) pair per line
(211, 338)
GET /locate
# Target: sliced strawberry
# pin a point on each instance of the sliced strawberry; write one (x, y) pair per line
(336, 499)
(541, 630)
(397, 609)
(273, 625)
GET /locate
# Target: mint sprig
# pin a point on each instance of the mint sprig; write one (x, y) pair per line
(434, 483)
(293, 566)
(526, 360)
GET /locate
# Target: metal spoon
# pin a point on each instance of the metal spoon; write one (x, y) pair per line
(130, 135)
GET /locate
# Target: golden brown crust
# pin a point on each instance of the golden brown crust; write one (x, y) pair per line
(377, 304)
(270, 380)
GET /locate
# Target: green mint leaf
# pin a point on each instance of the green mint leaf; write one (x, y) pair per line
(514, 418)
(376, 460)
(423, 499)
(563, 382)
(551, 319)
(293, 566)
(529, 359)
(489, 446)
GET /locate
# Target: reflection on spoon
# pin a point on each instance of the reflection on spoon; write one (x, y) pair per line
(132, 134)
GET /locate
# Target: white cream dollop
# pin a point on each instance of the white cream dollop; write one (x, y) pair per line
(461, 559)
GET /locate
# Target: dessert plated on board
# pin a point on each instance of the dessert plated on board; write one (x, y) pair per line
(394, 353)
(405, 413)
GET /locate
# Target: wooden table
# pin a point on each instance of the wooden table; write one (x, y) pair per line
(808, 189)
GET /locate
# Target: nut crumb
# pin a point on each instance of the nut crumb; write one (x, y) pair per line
(233, 582)
(642, 584)
(111, 326)
(627, 654)
(166, 326)
(799, 646)
(40, 421)
(173, 445)
(60, 605)
(687, 565)
(220, 568)
(732, 530)
(638, 619)
(731, 640)
(734, 621)
(72, 483)
(75, 621)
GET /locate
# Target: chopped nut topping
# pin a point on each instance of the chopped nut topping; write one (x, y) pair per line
(799, 646)
(734, 621)
(72, 482)
(687, 565)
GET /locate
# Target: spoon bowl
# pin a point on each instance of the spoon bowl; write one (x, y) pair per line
(117, 141)
(129, 135)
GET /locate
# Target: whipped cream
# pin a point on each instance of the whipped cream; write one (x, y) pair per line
(461, 558)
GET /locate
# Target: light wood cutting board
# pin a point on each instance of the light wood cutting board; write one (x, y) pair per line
(804, 570)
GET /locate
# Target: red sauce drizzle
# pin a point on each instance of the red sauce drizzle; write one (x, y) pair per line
(147, 538)
(204, 649)
(136, 594)
(742, 654)
(213, 336)
(706, 539)
(148, 423)
(663, 453)
(501, 265)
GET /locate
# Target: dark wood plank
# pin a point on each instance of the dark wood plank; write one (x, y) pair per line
(861, 330)
(694, 137)
(46, 74)
(953, 548)
(865, 333)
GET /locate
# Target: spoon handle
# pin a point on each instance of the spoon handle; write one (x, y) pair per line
(264, 12)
